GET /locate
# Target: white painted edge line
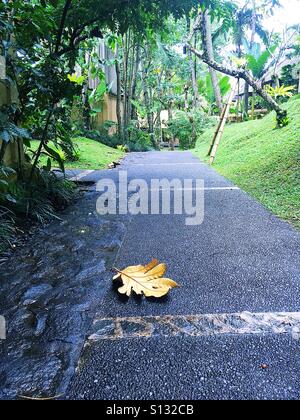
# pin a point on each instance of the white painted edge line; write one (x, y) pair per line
(80, 176)
(168, 164)
(221, 189)
(195, 189)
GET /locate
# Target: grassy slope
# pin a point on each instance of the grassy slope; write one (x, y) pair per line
(262, 160)
(93, 155)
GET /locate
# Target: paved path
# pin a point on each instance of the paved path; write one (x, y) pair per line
(231, 331)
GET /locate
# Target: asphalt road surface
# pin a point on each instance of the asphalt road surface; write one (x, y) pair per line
(231, 331)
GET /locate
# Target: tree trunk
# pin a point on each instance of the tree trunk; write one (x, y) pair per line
(238, 101)
(125, 49)
(135, 68)
(2, 151)
(147, 102)
(85, 98)
(131, 72)
(170, 117)
(196, 98)
(159, 126)
(253, 31)
(210, 53)
(186, 98)
(86, 107)
(147, 97)
(193, 141)
(119, 100)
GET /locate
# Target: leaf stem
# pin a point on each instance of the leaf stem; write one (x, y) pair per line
(131, 278)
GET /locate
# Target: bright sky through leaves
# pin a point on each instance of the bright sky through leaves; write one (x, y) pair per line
(284, 16)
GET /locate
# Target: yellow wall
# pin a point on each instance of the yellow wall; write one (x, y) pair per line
(109, 111)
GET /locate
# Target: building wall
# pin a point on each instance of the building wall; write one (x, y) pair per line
(109, 103)
(109, 111)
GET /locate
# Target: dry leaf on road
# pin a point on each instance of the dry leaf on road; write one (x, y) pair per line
(145, 279)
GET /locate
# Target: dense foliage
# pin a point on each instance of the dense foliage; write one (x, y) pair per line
(49, 54)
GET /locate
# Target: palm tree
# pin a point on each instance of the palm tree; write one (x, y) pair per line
(258, 63)
(268, 7)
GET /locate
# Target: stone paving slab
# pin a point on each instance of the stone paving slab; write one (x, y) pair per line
(195, 326)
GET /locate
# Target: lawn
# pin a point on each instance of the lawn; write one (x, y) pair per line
(263, 160)
(93, 155)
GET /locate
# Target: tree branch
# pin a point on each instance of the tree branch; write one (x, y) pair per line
(196, 27)
(73, 45)
(62, 25)
(241, 73)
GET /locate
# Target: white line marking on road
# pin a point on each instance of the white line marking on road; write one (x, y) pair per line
(81, 175)
(195, 189)
(168, 164)
(196, 325)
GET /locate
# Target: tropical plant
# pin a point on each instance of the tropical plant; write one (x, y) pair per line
(257, 60)
(280, 91)
(206, 88)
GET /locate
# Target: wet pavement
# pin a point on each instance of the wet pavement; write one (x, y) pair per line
(49, 291)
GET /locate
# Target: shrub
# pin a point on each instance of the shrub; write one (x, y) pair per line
(138, 139)
(101, 136)
(122, 148)
(187, 126)
(38, 201)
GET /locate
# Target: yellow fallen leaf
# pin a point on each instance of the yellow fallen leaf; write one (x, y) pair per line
(145, 279)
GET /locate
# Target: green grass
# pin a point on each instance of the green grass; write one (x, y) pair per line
(93, 155)
(263, 160)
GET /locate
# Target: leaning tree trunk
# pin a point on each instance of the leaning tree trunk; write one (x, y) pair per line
(210, 53)
(242, 74)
